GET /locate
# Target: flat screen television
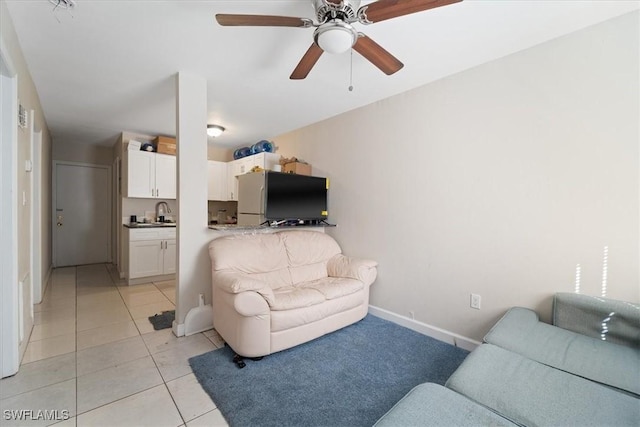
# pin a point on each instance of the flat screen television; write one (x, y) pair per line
(295, 197)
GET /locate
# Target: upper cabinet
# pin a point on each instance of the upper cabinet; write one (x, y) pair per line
(149, 175)
(217, 181)
(244, 165)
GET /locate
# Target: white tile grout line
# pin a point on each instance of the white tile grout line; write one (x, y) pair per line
(75, 352)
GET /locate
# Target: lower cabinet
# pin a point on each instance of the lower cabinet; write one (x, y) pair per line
(150, 252)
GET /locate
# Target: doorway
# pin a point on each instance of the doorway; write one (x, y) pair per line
(81, 214)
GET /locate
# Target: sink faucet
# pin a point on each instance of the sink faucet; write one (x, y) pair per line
(162, 206)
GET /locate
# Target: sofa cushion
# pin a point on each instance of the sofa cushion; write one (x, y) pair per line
(274, 279)
(520, 331)
(305, 247)
(587, 315)
(433, 405)
(530, 393)
(308, 272)
(248, 253)
(287, 319)
(289, 298)
(334, 287)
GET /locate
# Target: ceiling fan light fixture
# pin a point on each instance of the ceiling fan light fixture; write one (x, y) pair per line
(214, 130)
(336, 36)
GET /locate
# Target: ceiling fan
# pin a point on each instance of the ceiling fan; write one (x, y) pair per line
(334, 32)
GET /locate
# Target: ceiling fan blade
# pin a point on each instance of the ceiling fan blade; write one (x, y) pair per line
(307, 62)
(377, 55)
(230, 20)
(387, 9)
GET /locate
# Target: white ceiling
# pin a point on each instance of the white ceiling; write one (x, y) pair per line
(109, 65)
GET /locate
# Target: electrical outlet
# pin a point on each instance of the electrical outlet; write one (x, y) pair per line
(475, 301)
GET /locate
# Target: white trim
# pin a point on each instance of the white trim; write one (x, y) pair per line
(425, 329)
(9, 320)
(37, 286)
(54, 200)
(45, 280)
(178, 329)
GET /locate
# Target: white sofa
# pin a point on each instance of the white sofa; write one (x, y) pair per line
(273, 291)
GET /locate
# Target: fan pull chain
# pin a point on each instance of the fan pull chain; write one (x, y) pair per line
(351, 73)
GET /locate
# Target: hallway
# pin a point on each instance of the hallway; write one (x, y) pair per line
(94, 357)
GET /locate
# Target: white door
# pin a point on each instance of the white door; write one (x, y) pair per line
(165, 176)
(82, 214)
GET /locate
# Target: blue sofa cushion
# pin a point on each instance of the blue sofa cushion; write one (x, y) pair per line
(433, 405)
(521, 331)
(615, 321)
(530, 393)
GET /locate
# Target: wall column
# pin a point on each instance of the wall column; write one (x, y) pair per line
(193, 276)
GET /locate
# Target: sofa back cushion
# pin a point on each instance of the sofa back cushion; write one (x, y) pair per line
(308, 253)
(280, 259)
(602, 318)
(248, 253)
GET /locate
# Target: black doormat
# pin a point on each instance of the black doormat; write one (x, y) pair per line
(163, 321)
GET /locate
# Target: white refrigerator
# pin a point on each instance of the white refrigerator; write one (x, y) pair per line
(251, 198)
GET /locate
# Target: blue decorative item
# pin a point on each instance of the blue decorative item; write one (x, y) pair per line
(241, 152)
(263, 146)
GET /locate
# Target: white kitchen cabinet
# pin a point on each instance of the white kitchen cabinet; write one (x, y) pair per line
(166, 176)
(244, 165)
(150, 252)
(149, 175)
(146, 258)
(217, 181)
(169, 257)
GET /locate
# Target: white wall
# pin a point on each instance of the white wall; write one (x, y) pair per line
(28, 98)
(82, 153)
(495, 181)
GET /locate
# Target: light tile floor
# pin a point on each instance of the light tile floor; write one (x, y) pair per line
(94, 353)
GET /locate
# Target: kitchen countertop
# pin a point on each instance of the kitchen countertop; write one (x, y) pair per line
(228, 227)
(151, 225)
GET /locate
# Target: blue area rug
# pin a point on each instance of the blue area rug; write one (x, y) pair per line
(347, 378)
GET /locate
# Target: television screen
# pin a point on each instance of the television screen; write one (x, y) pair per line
(295, 197)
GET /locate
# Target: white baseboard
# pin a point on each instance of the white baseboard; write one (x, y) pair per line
(431, 331)
(178, 329)
(45, 282)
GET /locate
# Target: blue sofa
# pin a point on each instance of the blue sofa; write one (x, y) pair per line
(584, 370)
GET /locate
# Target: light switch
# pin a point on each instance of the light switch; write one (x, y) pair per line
(24, 198)
(28, 165)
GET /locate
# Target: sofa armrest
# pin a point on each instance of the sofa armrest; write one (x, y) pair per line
(359, 269)
(235, 283)
(607, 319)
